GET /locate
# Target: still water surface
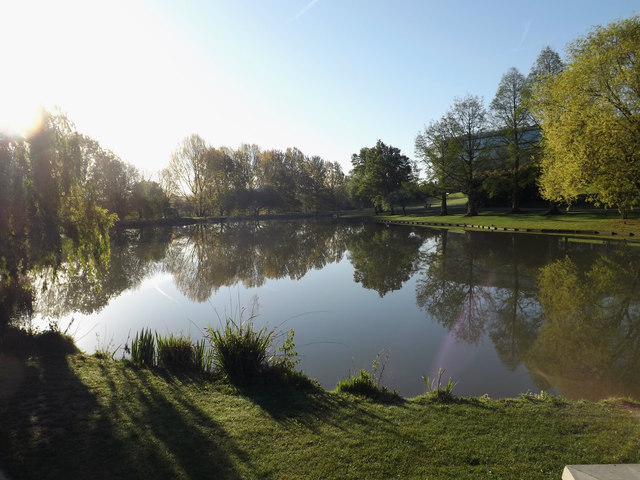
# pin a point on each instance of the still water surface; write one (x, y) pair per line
(501, 313)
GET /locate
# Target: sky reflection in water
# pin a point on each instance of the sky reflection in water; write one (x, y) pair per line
(501, 313)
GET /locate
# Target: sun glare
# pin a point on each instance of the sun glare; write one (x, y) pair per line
(18, 117)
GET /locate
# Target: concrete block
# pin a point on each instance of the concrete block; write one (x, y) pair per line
(601, 472)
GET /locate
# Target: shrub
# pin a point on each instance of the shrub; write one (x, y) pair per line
(175, 352)
(143, 348)
(287, 359)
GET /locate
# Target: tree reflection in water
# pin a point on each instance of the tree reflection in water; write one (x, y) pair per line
(207, 257)
(566, 312)
(383, 258)
(589, 345)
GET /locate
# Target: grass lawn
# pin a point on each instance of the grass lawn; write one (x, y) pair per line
(588, 220)
(77, 416)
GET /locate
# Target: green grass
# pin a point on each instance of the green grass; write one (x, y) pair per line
(584, 220)
(81, 417)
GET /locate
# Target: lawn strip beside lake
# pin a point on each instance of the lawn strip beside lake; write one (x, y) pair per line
(83, 417)
(606, 223)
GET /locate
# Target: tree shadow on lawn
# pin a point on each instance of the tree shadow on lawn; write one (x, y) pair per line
(304, 402)
(57, 425)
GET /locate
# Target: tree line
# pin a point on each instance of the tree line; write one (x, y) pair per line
(59, 185)
(569, 130)
(202, 180)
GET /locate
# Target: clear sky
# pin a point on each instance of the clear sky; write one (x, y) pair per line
(326, 76)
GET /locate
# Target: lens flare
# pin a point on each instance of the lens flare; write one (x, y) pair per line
(18, 116)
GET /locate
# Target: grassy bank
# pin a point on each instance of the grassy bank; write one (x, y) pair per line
(585, 221)
(77, 416)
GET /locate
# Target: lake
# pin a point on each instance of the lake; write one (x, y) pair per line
(501, 313)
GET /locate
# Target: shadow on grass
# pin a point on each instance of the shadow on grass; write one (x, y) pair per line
(301, 401)
(60, 420)
(290, 398)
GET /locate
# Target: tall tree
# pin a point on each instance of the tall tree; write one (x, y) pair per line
(188, 173)
(547, 65)
(589, 117)
(468, 122)
(512, 118)
(379, 171)
(436, 148)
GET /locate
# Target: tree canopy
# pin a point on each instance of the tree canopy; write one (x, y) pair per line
(511, 119)
(378, 175)
(438, 151)
(590, 119)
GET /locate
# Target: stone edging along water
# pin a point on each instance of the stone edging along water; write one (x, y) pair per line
(552, 231)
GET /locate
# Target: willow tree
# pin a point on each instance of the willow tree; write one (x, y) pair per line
(590, 119)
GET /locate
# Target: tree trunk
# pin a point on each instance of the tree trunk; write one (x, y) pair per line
(443, 204)
(553, 209)
(472, 207)
(515, 194)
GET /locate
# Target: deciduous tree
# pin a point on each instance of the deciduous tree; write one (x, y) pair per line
(188, 174)
(512, 118)
(467, 120)
(379, 171)
(439, 152)
(590, 118)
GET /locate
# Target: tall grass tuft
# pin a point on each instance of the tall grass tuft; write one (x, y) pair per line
(437, 391)
(143, 348)
(362, 384)
(202, 356)
(369, 384)
(175, 352)
(239, 349)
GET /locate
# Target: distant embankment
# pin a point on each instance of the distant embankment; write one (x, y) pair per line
(179, 221)
(555, 231)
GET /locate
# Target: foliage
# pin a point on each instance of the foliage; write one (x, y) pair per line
(377, 173)
(143, 348)
(361, 384)
(202, 356)
(435, 389)
(288, 358)
(511, 119)
(368, 384)
(467, 123)
(438, 151)
(588, 114)
(240, 350)
(221, 181)
(175, 352)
